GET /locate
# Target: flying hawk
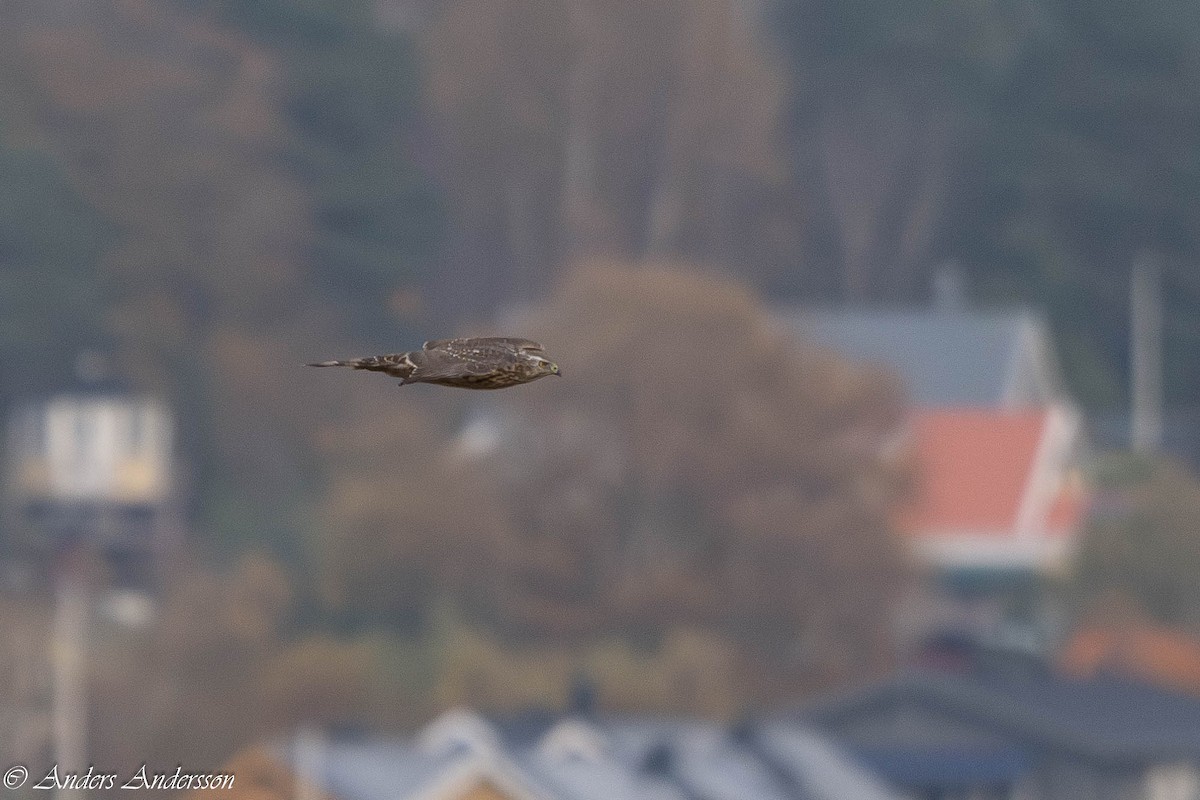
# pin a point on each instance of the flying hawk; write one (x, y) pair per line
(484, 363)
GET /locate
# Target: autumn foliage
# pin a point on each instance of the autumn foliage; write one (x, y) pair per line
(695, 466)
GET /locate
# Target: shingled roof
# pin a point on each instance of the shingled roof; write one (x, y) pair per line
(946, 357)
(572, 758)
(927, 730)
(994, 487)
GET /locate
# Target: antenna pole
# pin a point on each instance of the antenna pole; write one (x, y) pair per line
(1145, 309)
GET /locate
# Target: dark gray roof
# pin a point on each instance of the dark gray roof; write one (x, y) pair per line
(1000, 722)
(945, 357)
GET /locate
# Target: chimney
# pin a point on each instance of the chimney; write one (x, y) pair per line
(949, 287)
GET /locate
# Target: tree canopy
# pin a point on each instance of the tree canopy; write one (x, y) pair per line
(1140, 549)
(698, 469)
(51, 293)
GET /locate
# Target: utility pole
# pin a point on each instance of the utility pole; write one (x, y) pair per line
(309, 756)
(1145, 347)
(69, 704)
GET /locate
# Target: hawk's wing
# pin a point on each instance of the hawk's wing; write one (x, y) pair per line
(482, 342)
(454, 358)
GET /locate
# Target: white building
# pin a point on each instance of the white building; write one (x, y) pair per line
(90, 469)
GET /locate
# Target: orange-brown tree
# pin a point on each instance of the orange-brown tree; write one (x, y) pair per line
(404, 523)
(697, 466)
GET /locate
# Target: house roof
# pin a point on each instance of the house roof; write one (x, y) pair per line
(946, 357)
(993, 484)
(929, 728)
(578, 759)
(1161, 656)
(974, 468)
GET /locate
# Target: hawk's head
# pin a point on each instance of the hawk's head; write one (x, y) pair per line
(543, 366)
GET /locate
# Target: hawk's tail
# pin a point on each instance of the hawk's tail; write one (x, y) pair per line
(397, 364)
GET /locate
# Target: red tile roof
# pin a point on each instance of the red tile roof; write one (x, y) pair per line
(980, 470)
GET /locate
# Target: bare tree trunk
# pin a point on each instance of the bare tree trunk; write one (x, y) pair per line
(579, 170)
(886, 168)
(666, 209)
(520, 236)
(853, 171)
(919, 200)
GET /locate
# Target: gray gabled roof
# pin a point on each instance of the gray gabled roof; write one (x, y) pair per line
(752, 761)
(815, 763)
(576, 759)
(946, 357)
(702, 758)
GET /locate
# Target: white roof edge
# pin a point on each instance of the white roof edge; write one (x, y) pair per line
(1060, 428)
(992, 551)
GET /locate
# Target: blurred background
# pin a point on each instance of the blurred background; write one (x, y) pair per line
(872, 472)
